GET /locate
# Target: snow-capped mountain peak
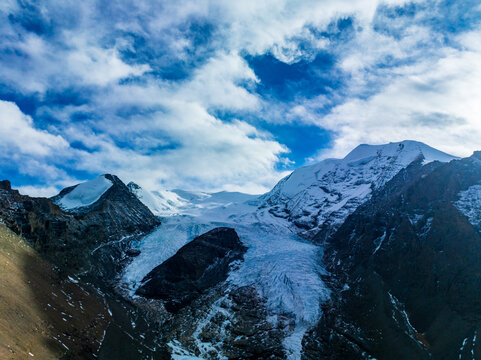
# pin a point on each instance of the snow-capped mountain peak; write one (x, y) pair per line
(83, 194)
(405, 152)
(324, 194)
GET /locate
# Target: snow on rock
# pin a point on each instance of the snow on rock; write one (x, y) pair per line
(469, 204)
(161, 202)
(85, 194)
(179, 353)
(327, 192)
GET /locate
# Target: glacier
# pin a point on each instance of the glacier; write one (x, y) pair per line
(284, 268)
(281, 262)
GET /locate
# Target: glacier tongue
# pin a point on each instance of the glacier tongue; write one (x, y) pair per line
(286, 271)
(284, 268)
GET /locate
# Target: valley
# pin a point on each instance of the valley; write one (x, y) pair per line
(318, 267)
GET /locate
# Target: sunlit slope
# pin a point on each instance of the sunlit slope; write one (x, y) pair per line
(42, 316)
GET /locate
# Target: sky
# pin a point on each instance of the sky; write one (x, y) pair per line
(228, 95)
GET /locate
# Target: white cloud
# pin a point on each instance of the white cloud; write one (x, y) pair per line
(38, 191)
(420, 100)
(435, 101)
(47, 65)
(99, 66)
(18, 134)
(216, 84)
(8, 5)
(207, 153)
(370, 47)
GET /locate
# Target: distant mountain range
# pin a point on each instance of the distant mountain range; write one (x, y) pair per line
(377, 255)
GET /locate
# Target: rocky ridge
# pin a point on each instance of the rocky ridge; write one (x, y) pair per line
(77, 240)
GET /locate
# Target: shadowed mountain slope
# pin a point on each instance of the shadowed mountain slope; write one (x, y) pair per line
(43, 315)
(406, 267)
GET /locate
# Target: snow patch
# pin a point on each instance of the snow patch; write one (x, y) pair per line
(414, 219)
(85, 194)
(409, 328)
(179, 353)
(207, 348)
(379, 241)
(469, 204)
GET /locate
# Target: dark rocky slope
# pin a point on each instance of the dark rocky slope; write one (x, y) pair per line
(406, 270)
(79, 241)
(95, 244)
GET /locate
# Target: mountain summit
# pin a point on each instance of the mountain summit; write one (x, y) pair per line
(324, 194)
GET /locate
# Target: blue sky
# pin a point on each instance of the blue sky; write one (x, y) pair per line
(219, 95)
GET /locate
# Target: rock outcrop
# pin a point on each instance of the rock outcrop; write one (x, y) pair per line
(195, 268)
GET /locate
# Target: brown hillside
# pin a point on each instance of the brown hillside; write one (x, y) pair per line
(41, 315)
